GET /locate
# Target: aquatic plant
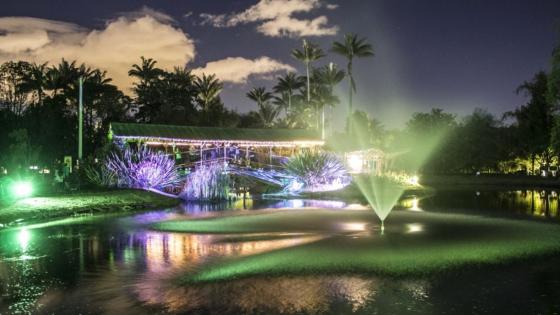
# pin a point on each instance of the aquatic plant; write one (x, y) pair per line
(207, 182)
(316, 171)
(142, 168)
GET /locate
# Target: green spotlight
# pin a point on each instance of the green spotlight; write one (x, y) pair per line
(22, 189)
(24, 236)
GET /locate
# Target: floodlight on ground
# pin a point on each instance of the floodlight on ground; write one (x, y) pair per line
(22, 189)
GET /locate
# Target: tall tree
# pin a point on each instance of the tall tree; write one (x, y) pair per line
(328, 76)
(179, 96)
(352, 47)
(208, 89)
(12, 95)
(534, 120)
(553, 88)
(267, 113)
(147, 89)
(146, 71)
(35, 81)
(424, 139)
(477, 143)
(309, 53)
(260, 95)
(286, 87)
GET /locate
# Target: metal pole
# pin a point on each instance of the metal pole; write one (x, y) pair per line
(80, 120)
(323, 124)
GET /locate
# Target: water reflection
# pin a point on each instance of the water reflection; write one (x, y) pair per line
(116, 266)
(209, 208)
(537, 203)
(163, 251)
(411, 203)
(284, 295)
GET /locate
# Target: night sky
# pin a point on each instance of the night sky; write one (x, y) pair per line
(456, 55)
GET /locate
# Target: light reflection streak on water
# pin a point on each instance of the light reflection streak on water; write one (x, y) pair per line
(117, 277)
(176, 250)
(284, 295)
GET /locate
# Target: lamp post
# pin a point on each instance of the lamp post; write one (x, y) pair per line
(80, 120)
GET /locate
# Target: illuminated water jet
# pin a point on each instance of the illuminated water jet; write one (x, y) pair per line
(403, 154)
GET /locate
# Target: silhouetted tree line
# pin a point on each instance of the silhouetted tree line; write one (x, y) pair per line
(38, 113)
(524, 140)
(39, 102)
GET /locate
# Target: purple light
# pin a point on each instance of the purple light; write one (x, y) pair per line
(316, 172)
(208, 182)
(143, 168)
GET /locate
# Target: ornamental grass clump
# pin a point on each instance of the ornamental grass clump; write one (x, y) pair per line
(143, 168)
(318, 171)
(207, 182)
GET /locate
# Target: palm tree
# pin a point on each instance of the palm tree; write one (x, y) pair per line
(147, 71)
(208, 90)
(328, 76)
(64, 77)
(307, 55)
(350, 48)
(267, 113)
(34, 81)
(286, 86)
(283, 102)
(260, 96)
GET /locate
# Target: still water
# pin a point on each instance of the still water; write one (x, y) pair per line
(116, 265)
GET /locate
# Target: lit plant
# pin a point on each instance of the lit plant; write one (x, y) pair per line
(207, 182)
(100, 175)
(316, 171)
(143, 168)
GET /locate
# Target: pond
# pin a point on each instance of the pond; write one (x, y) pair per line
(117, 265)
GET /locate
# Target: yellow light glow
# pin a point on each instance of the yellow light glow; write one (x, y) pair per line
(354, 226)
(240, 143)
(415, 206)
(413, 180)
(414, 228)
(355, 163)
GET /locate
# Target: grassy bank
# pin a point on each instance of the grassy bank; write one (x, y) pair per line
(414, 244)
(40, 208)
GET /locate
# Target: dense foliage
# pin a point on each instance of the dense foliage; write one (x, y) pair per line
(38, 114)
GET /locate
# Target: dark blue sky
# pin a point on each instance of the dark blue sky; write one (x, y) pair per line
(456, 55)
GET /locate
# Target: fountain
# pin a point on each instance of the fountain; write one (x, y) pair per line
(382, 193)
(383, 186)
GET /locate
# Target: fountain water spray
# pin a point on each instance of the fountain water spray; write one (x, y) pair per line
(383, 185)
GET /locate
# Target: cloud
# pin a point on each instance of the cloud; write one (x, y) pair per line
(119, 45)
(238, 69)
(287, 26)
(113, 48)
(276, 18)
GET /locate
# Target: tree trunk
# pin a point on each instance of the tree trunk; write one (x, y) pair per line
(350, 97)
(289, 102)
(323, 123)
